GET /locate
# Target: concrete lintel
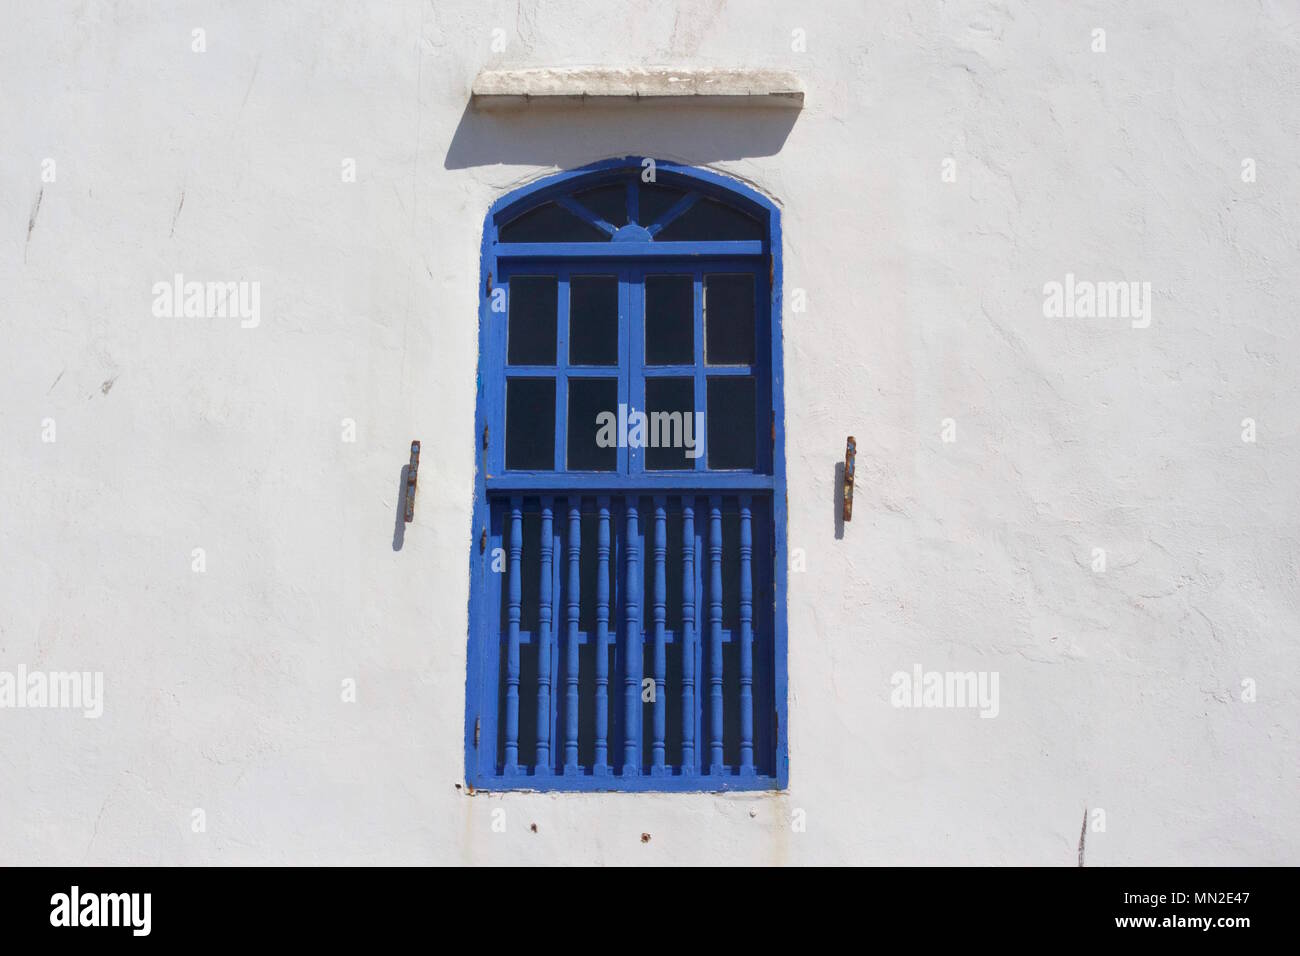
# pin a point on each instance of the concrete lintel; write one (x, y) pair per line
(516, 89)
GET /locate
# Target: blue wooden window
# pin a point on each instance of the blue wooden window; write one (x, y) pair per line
(627, 602)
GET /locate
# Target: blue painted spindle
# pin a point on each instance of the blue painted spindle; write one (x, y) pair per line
(602, 768)
(514, 601)
(632, 654)
(544, 644)
(688, 635)
(660, 705)
(716, 765)
(571, 767)
(746, 640)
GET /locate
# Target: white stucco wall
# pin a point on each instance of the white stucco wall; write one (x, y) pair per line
(1120, 690)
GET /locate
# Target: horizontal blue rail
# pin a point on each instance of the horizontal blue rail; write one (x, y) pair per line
(626, 250)
(590, 483)
(618, 784)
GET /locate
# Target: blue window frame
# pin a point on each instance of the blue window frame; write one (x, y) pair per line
(627, 597)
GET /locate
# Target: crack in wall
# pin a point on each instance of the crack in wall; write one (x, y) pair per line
(1083, 834)
(31, 221)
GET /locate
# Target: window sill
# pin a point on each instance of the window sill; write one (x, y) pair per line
(520, 89)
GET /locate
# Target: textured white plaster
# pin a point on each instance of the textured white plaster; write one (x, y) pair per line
(1119, 691)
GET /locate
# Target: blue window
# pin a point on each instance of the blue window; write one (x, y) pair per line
(627, 572)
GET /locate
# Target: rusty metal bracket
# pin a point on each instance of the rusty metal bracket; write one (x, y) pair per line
(850, 459)
(412, 470)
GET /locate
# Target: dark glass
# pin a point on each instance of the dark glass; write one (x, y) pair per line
(731, 422)
(588, 397)
(675, 396)
(669, 320)
(593, 320)
(607, 202)
(531, 330)
(654, 201)
(550, 223)
(710, 221)
(729, 319)
(530, 424)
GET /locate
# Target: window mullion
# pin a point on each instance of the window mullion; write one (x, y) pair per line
(701, 462)
(495, 386)
(635, 367)
(562, 370)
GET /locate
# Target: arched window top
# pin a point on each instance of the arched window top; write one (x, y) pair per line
(614, 202)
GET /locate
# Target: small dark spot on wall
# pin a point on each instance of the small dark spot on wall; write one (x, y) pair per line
(533, 827)
(107, 386)
(645, 838)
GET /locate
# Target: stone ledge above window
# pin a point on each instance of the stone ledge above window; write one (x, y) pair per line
(519, 89)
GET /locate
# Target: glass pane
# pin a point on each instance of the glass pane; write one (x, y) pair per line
(530, 424)
(669, 320)
(731, 422)
(531, 330)
(593, 320)
(654, 201)
(607, 202)
(589, 400)
(672, 440)
(729, 319)
(710, 221)
(550, 223)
